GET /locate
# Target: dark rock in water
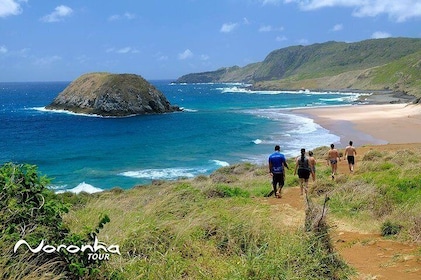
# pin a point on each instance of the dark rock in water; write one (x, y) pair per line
(108, 94)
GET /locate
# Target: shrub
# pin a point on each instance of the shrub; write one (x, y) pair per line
(226, 191)
(390, 228)
(372, 155)
(31, 212)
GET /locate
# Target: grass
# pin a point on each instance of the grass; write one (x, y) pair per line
(211, 227)
(221, 226)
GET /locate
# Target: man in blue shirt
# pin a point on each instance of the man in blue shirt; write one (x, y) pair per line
(277, 164)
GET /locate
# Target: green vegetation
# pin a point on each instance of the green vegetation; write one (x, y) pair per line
(31, 212)
(211, 227)
(377, 64)
(384, 194)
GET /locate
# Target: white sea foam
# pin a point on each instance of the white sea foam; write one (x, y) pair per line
(220, 162)
(173, 173)
(82, 187)
(350, 96)
(295, 132)
(257, 141)
(43, 109)
(166, 173)
(189, 110)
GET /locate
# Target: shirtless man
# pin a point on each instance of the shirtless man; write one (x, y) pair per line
(350, 153)
(332, 158)
(312, 162)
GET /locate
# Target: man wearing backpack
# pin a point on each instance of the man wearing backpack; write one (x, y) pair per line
(302, 166)
(277, 164)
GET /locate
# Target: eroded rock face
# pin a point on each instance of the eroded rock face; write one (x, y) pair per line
(108, 94)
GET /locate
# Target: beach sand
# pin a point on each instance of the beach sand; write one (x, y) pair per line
(369, 124)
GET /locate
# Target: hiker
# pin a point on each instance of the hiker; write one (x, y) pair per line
(350, 153)
(277, 164)
(303, 168)
(332, 159)
(312, 161)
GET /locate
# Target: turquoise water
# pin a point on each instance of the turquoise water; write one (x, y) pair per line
(222, 124)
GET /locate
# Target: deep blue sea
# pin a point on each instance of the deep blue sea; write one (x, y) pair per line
(222, 124)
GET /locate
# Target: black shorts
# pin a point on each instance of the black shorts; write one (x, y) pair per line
(351, 159)
(278, 178)
(303, 173)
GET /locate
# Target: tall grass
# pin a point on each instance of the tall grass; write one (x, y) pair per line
(207, 228)
(222, 227)
(385, 190)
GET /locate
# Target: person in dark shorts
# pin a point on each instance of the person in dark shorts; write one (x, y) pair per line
(350, 153)
(277, 164)
(332, 159)
(303, 168)
(312, 161)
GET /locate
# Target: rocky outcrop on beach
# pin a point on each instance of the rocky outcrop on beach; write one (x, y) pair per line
(107, 94)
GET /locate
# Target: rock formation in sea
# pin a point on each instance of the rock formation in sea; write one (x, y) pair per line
(109, 94)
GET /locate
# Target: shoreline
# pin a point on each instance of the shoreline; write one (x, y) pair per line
(365, 124)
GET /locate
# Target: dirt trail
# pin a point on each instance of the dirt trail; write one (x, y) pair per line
(373, 256)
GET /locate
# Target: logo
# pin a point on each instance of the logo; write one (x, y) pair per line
(98, 251)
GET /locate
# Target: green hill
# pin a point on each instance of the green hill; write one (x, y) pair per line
(376, 64)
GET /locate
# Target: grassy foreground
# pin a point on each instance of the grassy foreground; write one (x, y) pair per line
(222, 226)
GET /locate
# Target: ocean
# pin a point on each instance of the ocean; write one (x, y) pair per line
(221, 125)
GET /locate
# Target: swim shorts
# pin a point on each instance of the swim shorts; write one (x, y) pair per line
(303, 173)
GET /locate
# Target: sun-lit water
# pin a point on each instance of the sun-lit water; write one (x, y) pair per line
(222, 124)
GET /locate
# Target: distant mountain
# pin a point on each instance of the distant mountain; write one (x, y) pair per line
(376, 64)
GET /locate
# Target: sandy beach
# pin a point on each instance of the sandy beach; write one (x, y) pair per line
(370, 124)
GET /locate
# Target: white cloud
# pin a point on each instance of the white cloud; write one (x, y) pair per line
(58, 14)
(273, 2)
(228, 27)
(126, 15)
(9, 8)
(303, 42)
(114, 17)
(399, 10)
(204, 57)
(162, 58)
(281, 38)
(3, 49)
(124, 50)
(121, 50)
(337, 27)
(186, 54)
(269, 28)
(380, 35)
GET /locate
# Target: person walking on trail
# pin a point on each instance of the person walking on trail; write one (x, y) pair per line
(312, 161)
(333, 157)
(303, 168)
(277, 165)
(350, 153)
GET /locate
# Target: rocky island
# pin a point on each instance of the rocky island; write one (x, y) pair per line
(107, 94)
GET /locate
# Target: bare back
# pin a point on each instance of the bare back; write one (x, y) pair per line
(333, 154)
(350, 151)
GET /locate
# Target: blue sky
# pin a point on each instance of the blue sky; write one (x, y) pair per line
(165, 39)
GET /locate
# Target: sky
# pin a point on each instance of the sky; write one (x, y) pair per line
(49, 40)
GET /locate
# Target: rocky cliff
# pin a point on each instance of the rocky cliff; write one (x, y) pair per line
(108, 94)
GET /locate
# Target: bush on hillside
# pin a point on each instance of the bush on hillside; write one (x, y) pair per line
(31, 212)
